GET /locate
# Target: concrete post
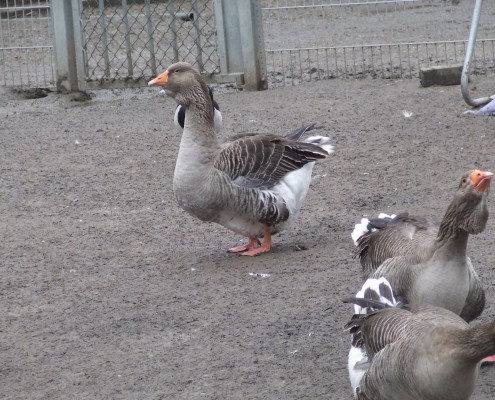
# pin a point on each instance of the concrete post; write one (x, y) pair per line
(241, 44)
(252, 44)
(68, 44)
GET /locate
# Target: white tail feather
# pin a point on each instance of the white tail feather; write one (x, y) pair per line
(383, 215)
(358, 361)
(359, 230)
(357, 364)
(382, 293)
(322, 141)
(362, 228)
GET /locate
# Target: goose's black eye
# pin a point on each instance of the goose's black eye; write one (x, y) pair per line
(464, 180)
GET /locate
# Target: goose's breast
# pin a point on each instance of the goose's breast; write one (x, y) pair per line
(197, 197)
(445, 285)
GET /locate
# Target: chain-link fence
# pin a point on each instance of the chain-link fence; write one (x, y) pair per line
(131, 40)
(26, 43)
(135, 39)
(323, 39)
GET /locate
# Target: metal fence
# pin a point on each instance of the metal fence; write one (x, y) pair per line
(26, 43)
(323, 39)
(135, 39)
(123, 42)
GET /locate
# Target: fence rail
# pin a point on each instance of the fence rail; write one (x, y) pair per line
(124, 42)
(308, 40)
(26, 43)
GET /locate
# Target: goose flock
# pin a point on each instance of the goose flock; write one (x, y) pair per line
(411, 315)
(411, 337)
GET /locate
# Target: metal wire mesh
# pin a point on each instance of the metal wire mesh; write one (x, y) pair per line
(26, 48)
(304, 39)
(308, 40)
(134, 39)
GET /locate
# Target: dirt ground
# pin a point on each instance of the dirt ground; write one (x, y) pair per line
(110, 291)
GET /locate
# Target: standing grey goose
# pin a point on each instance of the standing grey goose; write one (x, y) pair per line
(254, 185)
(427, 263)
(419, 352)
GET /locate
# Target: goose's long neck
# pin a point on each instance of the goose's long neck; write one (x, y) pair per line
(467, 213)
(478, 342)
(198, 124)
(198, 144)
(451, 236)
(199, 129)
(455, 243)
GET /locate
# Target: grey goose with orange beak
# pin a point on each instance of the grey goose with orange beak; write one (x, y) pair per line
(253, 185)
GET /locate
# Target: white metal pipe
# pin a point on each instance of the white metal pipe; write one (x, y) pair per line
(468, 58)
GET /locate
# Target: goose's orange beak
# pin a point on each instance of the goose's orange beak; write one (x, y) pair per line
(481, 179)
(160, 80)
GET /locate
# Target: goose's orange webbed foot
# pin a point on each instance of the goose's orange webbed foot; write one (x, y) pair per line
(264, 248)
(252, 244)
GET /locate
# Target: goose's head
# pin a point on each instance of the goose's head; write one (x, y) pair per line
(184, 83)
(480, 180)
(469, 207)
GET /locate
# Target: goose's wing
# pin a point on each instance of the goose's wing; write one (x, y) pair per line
(398, 272)
(403, 235)
(393, 337)
(383, 335)
(475, 301)
(378, 329)
(383, 327)
(261, 161)
(293, 135)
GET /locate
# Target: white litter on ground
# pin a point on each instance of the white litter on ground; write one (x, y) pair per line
(257, 274)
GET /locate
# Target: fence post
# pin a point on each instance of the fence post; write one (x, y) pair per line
(64, 46)
(67, 35)
(252, 44)
(241, 44)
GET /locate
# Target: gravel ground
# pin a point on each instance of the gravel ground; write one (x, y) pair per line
(110, 291)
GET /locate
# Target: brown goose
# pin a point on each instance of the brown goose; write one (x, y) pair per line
(254, 185)
(427, 263)
(419, 352)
